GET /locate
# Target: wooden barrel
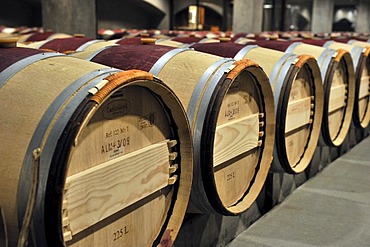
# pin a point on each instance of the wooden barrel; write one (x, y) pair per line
(297, 86)
(109, 153)
(5, 35)
(133, 41)
(339, 83)
(358, 43)
(244, 40)
(39, 36)
(68, 45)
(361, 61)
(230, 108)
(170, 42)
(360, 55)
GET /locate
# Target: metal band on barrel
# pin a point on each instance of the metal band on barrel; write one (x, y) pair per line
(355, 52)
(241, 54)
(161, 62)
(292, 47)
(199, 88)
(92, 55)
(279, 73)
(324, 60)
(199, 124)
(41, 43)
(350, 42)
(83, 47)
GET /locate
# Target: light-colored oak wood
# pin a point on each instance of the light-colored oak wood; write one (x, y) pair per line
(298, 114)
(235, 165)
(109, 127)
(313, 50)
(169, 42)
(360, 43)
(300, 144)
(135, 225)
(342, 74)
(337, 97)
(244, 98)
(364, 87)
(341, 100)
(363, 99)
(178, 68)
(296, 138)
(235, 138)
(260, 54)
(138, 174)
(19, 120)
(143, 122)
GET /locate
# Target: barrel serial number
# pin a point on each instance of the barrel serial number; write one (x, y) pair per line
(114, 146)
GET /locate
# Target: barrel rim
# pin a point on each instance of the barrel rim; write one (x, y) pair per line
(342, 57)
(208, 136)
(311, 65)
(365, 121)
(180, 190)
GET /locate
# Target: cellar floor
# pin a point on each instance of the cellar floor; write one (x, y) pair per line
(331, 209)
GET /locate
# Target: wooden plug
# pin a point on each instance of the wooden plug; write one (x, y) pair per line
(172, 143)
(173, 156)
(230, 68)
(259, 143)
(224, 39)
(79, 35)
(144, 35)
(312, 98)
(64, 204)
(261, 124)
(312, 113)
(8, 42)
(148, 41)
(65, 222)
(312, 106)
(261, 115)
(67, 185)
(261, 133)
(173, 168)
(67, 236)
(172, 180)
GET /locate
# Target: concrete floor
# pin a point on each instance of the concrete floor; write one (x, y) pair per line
(331, 209)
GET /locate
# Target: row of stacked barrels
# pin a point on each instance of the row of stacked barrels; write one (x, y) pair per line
(116, 140)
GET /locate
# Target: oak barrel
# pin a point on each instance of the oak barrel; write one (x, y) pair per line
(39, 36)
(68, 45)
(361, 62)
(358, 43)
(113, 149)
(297, 86)
(230, 108)
(339, 82)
